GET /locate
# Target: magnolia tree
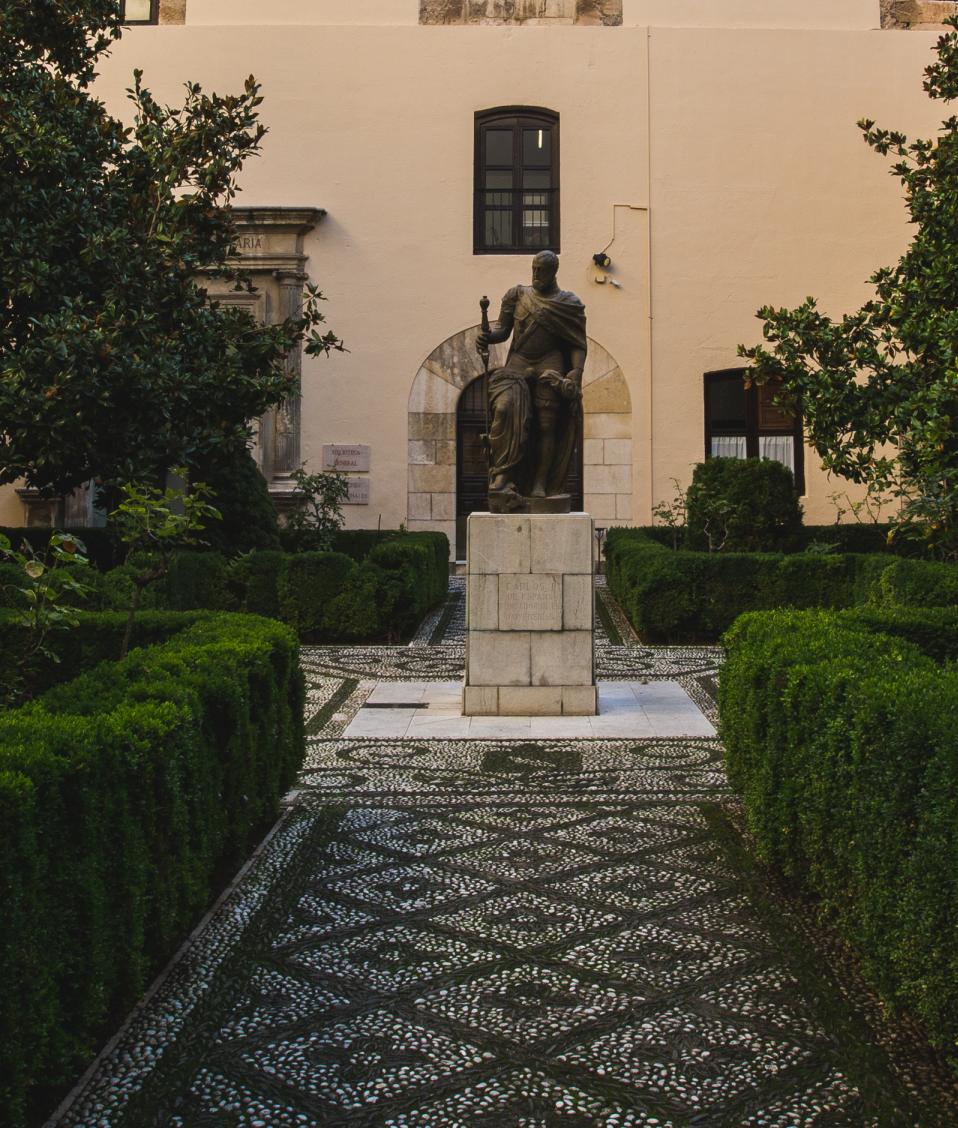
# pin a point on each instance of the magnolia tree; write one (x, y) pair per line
(879, 387)
(113, 364)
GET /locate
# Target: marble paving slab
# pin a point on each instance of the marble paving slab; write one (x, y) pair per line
(433, 710)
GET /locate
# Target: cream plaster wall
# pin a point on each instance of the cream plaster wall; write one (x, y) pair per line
(860, 14)
(752, 187)
(376, 126)
(831, 14)
(762, 193)
(11, 508)
(220, 13)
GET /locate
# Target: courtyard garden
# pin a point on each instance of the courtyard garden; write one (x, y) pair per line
(255, 867)
(733, 911)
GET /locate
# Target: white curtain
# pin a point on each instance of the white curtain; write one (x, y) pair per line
(728, 446)
(779, 447)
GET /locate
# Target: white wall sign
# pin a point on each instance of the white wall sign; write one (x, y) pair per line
(346, 458)
(358, 491)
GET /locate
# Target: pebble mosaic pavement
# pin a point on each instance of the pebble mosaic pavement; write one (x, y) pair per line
(497, 934)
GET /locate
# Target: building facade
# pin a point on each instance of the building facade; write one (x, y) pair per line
(420, 152)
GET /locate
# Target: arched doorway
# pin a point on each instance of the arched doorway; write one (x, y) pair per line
(472, 461)
(605, 463)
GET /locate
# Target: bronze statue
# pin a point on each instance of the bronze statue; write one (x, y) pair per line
(535, 399)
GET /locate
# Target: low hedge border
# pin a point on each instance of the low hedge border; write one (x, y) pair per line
(127, 796)
(323, 596)
(840, 733)
(680, 596)
(332, 597)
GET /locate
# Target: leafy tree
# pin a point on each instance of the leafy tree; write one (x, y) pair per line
(879, 387)
(113, 363)
(153, 523)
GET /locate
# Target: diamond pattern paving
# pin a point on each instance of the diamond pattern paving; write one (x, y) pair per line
(501, 934)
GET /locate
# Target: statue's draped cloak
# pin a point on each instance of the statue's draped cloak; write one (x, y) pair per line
(562, 316)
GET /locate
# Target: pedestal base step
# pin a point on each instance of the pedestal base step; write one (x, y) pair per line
(529, 701)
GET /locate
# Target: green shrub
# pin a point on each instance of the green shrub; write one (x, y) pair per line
(95, 639)
(248, 519)
(842, 741)
(125, 795)
(359, 611)
(308, 583)
(918, 583)
(115, 590)
(11, 581)
(196, 580)
(853, 537)
(358, 543)
(742, 505)
(934, 630)
(694, 596)
(254, 582)
(103, 547)
(416, 568)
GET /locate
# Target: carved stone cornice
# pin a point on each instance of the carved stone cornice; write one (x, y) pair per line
(272, 238)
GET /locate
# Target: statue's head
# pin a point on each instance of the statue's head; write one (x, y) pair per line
(545, 267)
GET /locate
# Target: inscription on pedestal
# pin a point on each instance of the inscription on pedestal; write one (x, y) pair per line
(529, 619)
(530, 603)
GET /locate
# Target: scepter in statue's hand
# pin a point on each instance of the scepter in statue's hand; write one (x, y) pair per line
(482, 345)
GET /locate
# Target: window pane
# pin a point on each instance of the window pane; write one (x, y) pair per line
(728, 446)
(779, 447)
(499, 199)
(137, 10)
(770, 417)
(498, 146)
(726, 401)
(498, 229)
(498, 179)
(536, 179)
(537, 147)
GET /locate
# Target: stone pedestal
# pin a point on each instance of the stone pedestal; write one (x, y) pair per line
(529, 615)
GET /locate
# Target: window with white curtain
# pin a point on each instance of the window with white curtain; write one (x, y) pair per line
(743, 422)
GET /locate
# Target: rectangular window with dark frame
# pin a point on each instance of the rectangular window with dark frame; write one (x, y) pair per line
(744, 422)
(140, 11)
(516, 205)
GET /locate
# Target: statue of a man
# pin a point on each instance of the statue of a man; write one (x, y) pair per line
(535, 399)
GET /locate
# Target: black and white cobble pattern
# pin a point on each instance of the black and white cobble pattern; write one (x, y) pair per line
(494, 934)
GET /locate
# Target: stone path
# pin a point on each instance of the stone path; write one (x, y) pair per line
(489, 932)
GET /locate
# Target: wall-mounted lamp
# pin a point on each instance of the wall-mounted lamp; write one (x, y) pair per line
(601, 259)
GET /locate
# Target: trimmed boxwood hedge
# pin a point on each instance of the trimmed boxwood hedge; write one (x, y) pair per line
(681, 596)
(843, 741)
(325, 596)
(378, 587)
(126, 797)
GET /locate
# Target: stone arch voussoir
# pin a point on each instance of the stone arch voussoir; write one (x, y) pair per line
(434, 396)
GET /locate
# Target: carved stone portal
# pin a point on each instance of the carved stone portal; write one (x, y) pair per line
(270, 246)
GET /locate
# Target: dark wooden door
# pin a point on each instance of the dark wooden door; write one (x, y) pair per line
(472, 461)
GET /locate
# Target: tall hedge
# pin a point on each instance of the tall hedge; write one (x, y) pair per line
(125, 796)
(844, 743)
